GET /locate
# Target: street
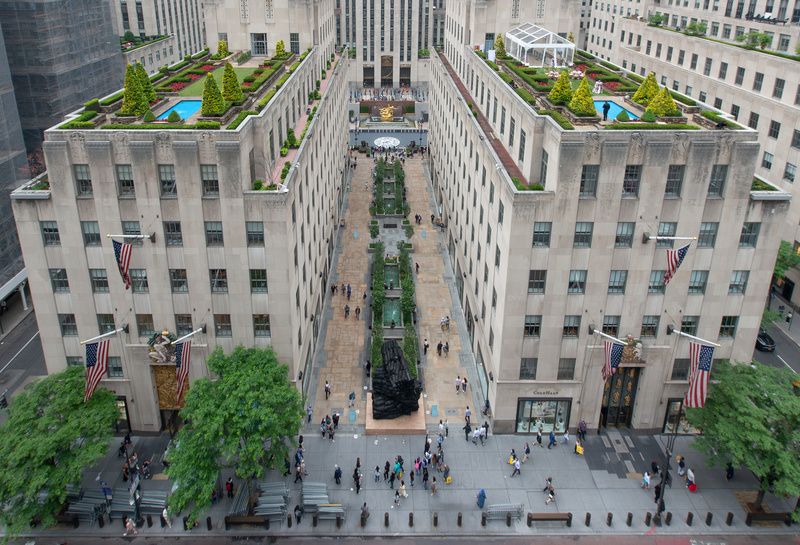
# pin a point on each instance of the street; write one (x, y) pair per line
(787, 352)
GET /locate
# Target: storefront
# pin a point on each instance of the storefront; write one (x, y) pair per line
(676, 415)
(549, 414)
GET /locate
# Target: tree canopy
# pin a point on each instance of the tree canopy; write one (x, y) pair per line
(231, 88)
(581, 103)
(752, 419)
(212, 99)
(50, 438)
(245, 419)
(787, 258)
(561, 93)
(133, 100)
(647, 90)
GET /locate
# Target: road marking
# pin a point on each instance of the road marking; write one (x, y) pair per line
(23, 348)
(786, 364)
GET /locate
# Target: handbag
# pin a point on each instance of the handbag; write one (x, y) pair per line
(510, 460)
(579, 450)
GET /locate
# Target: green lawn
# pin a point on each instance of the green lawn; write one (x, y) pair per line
(196, 88)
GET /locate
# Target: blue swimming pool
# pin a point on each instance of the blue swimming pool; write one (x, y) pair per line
(185, 109)
(613, 111)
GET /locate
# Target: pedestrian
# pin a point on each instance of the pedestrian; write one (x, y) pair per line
(377, 474)
(690, 477)
(548, 482)
(432, 217)
(551, 494)
(439, 349)
(402, 490)
(287, 466)
(303, 468)
(364, 512)
(229, 487)
(517, 467)
(481, 498)
(327, 389)
(427, 446)
(411, 478)
(582, 430)
(653, 468)
(336, 421)
(551, 440)
(298, 514)
(416, 266)
(357, 479)
(130, 527)
(346, 312)
(322, 427)
(337, 474)
(467, 414)
(433, 486)
(386, 471)
(333, 289)
(646, 480)
(681, 466)
(446, 350)
(729, 471)
(441, 428)
(476, 435)
(309, 410)
(458, 381)
(425, 478)
(331, 433)
(298, 473)
(526, 452)
(166, 518)
(467, 430)
(397, 497)
(358, 313)
(565, 437)
(358, 462)
(482, 433)
(425, 346)
(348, 292)
(657, 490)
(367, 368)
(463, 380)
(351, 398)
(539, 437)
(446, 428)
(391, 479)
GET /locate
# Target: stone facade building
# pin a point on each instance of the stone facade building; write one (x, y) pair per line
(179, 19)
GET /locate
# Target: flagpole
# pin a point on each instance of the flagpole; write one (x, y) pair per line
(647, 237)
(195, 332)
(593, 331)
(151, 237)
(108, 334)
(671, 329)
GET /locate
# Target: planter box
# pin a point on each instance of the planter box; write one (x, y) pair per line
(577, 120)
(123, 119)
(679, 119)
(706, 123)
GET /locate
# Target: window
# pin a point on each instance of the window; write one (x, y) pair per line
(255, 233)
(738, 283)
(723, 70)
(214, 233)
(183, 324)
(99, 280)
(735, 111)
(583, 234)
(219, 280)
(789, 172)
(144, 325)
(68, 326)
(666, 229)
(50, 236)
(511, 130)
(617, 281)
(74, 361)
(125, 184)
(541, 233)
(577, 281)
(749, 235)
(708, 234)
(502, 119)
(139, 282)
(536, 281)
(533, 325)
(261, 325)
(91, 233)
(753, 121)
(222, 325)
(572, 325)
(132, 228)
(630, 183)
(693, 62)
(796, 139)
(521, 155)
(766, 160)
(294, 42)
(624, 238)
(674, 181)
(680, 368)
(115, 367)
(566, 369)
(589, 180)
(707, 67)
(500, 213)
(178, 281)
(208, 174)
(58, 280)
(258, 42)
(689, 324)
(739, 75)
(697, 282)
(172, 233)
(611, 325)
(166, 176)
(527, 368)
(727, 328)
(777, 91)
(649, 326)
(758, 81)
(719, 174)
(258, 280)
(83, 180)
(656, 284)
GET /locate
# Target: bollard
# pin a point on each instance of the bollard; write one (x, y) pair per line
(709, 516)
(208, 523)
(411, 520)
(668, 518)
(75, 521)
(530, 519)
(657, 518)
(338, 521)
(459, 518)
(587, 521)
(185, 524)
(363, 520)
(609, 518)
(508, 519)
(569, 520)
(163, 522)
(314, 520)
(729, 519)
(102, 523)
(289, 520)
(124, 520)
(483, 519)
(689, 518)
(629, 520)
(435, 519)
(149, 521)
(386, 519)
(648, 518)
(266, 523)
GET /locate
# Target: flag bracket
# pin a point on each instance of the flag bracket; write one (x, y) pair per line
(647, 237)
(151, 237)
(671, 329)
(593, 331)
(124, 329)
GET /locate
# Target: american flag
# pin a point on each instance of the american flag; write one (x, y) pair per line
(613, 355)
(183, 356)
(122, 252)
(700, 358)
(674, 260)
(96, 366)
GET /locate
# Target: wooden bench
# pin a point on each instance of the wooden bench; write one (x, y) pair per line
(502, 510)
(550, 517)
(254, 520)
(786, 518)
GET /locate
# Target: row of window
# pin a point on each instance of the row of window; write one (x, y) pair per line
(611, 325)
(173, 233)
(183, 325)
(707, 237)
(178, 280)
(126, 186)
(618, 279)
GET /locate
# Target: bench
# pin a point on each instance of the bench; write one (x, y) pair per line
(786, 518)
(550, 517)
(255, 520)
(241, 500)
(330, 511)
(502, 510)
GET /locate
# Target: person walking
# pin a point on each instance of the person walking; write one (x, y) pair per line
(229, 487)
(646, 480)
(690, 478)
(517, 467)
(657, 491)
(386, 471)
(309, 411)
(526, 451)
(433, 486)
(335, 421)
(130, 527)
(539, 437)
(681, 466)
(348, 292)
(446, 349)
(467, 430)
(357, 480)
(337, 474)
(446, 429)
(729, 471)
(327, 389)
(551, 494)
(298, 514)
(364, 512)
(551, 440)
(464, 383)
(346, 312)
(391, 480)
(402, 490)
(425, 346)
(439, 349)
(582, 430)
(467, 414)
(416, 266)
(411, 478)
(298, 473)
(458, 382)
(166, 518)
(358, 313)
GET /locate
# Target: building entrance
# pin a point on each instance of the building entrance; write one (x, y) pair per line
(619, 397)
(387, 71)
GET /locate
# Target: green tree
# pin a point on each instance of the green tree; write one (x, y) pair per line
(280, 49)
(656, 19)
(231, 88)
(212, 98)
(129, 36)
(752, 419)
(663, 104)
(499, 47)
(647, 90)
(133, 99)
(246, 419)
(787, 258)
(769, 317)
(582, 103)
(561, 93)
(148, 91)
(50, 438)
(222, 49)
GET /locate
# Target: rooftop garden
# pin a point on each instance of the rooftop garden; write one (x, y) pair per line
(130, 41)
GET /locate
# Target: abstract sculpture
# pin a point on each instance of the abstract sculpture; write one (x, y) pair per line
(394, 392)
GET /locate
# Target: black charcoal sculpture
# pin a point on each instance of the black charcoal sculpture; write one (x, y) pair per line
(394, 392)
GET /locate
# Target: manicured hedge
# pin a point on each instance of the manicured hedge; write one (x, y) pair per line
(559, 118)
(112, 99)
(716, 118)
(200, 125)
(652, 127)
(200, 54)
(82, 121)
(526, 96)
(683, 99)
(240, 118)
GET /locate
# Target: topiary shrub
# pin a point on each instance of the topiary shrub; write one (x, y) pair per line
(649, 117)
(231, 89)
(582, 103)
(647, 90)
(212, 98)
(291, 139)
(149, 117)
(133, 100)
(623, 116)
(222, 49)
(284, 151)
(662, 104)
(280, 49)
(148, 91)
(562, 90)
(174, 117)
(499, 47)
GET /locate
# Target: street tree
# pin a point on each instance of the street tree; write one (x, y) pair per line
(50, 438)
(787, 258)
(245, 419)
(752, 419)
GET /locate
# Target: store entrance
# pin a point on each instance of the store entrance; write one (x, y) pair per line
(619, 397)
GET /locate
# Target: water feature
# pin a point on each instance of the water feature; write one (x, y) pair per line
(614, 111)
(391, 276)
(391, 313)
(185, 108)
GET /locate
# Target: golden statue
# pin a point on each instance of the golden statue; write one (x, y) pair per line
(387, 113)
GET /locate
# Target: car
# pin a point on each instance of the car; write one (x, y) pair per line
(764, 342)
